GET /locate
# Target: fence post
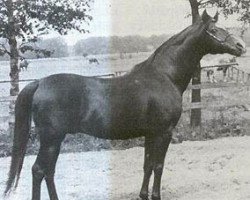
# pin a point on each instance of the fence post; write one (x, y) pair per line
(232, 73)
(243, 76)
(195, 120)
(238, 74)
(228, 72)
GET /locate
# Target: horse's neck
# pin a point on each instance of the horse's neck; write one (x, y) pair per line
(178, 61)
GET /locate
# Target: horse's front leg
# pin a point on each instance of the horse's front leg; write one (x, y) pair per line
(147, 167)
(161, 144)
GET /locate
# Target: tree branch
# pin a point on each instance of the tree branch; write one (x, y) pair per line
(36, 50)
(3, 50)
(206, 3)
(202, 2)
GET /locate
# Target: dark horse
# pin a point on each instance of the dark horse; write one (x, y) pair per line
(93, 60)
(145, 102)
(23, 64)
(224, 69)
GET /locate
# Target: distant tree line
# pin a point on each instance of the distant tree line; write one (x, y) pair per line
(55, 48)
(128, 44)
(117, 44)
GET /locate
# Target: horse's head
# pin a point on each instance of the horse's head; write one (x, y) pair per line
(217, 40)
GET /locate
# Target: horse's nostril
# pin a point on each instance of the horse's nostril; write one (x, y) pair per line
(239, 45)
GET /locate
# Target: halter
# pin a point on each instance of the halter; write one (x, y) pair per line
(218, 39)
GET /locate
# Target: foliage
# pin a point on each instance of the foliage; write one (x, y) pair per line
(115, 44)
(230, 7)
(53, 47)
(56, 47)
(26, 20)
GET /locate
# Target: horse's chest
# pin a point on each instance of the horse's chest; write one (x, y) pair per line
(166, 110)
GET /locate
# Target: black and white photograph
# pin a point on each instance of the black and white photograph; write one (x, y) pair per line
(125, 100)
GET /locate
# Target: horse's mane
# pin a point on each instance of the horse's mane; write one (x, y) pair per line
(175, 40)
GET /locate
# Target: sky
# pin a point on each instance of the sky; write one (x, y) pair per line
(139, 17)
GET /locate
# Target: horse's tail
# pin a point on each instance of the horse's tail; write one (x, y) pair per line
(21, 133)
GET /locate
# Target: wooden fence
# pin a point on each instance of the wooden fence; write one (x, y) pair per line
(238, 77)
(242, 79)
(232, 72)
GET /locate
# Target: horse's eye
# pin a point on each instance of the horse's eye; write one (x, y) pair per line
(213, 30)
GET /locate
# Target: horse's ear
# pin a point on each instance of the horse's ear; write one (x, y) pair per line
(205, 17)
(216, 17)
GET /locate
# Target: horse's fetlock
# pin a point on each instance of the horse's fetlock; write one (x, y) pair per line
(49, 175)
(158, 169)
(37, 172)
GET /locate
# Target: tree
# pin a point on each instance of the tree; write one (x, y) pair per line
(23, 21)
(227, 7)
(195, 119)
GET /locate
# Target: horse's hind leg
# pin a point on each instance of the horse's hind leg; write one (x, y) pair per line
(37, 177)
(44, 166)
(52, 155)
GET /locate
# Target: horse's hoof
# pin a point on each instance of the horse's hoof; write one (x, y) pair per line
(156, 197)
(143, 197)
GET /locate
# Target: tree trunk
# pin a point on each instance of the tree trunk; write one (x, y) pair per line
(195, 10)
(14, 71)
(195, 120)
(14, 78)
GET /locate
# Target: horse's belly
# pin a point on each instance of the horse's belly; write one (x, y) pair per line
(113, 129)
(117, 135)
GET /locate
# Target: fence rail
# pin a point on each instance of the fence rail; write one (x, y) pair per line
(218, 85)
(217, 105)
(24, 80)
(117, 73)
(10, 98)
(194, 105)
(220, 65)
